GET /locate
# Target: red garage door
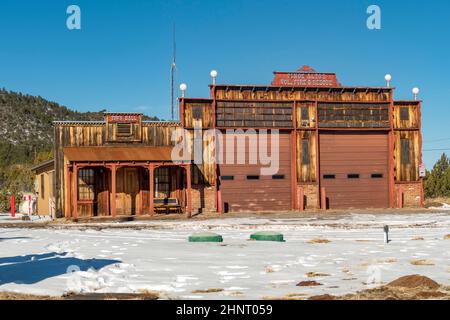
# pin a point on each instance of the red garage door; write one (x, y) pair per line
(354, 170)
(243, 187)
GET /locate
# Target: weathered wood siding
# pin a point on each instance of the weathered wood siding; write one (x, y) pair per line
(306, 172)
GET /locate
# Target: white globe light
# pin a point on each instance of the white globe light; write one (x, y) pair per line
(415, 91)
(213, 74)
(388, 77)
(183, 87)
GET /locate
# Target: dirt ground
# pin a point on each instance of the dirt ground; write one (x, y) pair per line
(413, 287)
(318, 214)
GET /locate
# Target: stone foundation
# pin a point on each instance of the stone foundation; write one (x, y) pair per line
(412, 194)
(311, 196)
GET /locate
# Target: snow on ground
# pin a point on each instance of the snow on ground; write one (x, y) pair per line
(57, 260)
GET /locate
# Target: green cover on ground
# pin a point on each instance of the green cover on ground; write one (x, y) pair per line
(205, 237)
(267, 236)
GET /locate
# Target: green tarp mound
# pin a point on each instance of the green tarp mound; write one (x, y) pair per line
(205, 237)
(267, 236)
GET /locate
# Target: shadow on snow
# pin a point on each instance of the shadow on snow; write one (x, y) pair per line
(31, 269)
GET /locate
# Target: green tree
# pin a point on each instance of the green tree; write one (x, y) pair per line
(437, 182)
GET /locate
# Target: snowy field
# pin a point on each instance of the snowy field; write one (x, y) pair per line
(157, 256)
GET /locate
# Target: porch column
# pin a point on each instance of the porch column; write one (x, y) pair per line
(68, 202)
(151, 174)
(113, 191)
(75, 191)
(188, 181)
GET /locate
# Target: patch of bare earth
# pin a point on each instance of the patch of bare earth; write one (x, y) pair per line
(316, 274)
(422, 262)
(318, 241)
(412, 287)
(289, 296)
(212, 290)
(311, 283)
(84, 296)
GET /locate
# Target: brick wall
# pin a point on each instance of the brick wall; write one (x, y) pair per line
(311, 195)
(412, 194)
(203, 199)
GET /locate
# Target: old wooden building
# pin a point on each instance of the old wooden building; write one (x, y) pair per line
(339, 147)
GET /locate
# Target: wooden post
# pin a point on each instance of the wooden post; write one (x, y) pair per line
(113, 190)
(189, 200)
(151, 175)
(68, 203)
(302, 199)
(323, 199)
(75, 191)
(219, 202)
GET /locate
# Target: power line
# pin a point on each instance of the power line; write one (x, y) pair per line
(436, 140)
(443, 149)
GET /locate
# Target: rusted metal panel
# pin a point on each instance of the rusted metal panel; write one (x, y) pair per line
(118, 153)
(266, 193)
(354, 169)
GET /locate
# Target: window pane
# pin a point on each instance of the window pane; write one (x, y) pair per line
(305, 152)
(404, 113)
(405, 151)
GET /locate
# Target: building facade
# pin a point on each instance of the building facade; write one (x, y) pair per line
(337, 147)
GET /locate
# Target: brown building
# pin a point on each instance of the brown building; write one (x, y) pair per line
(339, 147)
(44, 188)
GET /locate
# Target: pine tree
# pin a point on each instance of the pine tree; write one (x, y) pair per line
(437, 182)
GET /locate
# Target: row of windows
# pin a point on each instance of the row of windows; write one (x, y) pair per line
(253, 177)
(353, 176)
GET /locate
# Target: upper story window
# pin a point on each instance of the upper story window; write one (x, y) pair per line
(405, 149)
(124, 129)
(404, 113)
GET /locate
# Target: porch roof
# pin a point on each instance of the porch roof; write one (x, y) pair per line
(118, 153)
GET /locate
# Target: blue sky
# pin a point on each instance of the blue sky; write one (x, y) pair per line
(120, 59)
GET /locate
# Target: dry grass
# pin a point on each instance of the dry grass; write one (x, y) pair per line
(269, 269)
(436, 202)
(413, 287)
(316, 274)
(388, 260)
(319, 240)
(212, 290)
(422, 262)
(289, 296)
(418, 238)
(144, 295)
(447, 237)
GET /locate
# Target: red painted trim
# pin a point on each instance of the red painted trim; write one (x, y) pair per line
(75, 191)
(419, 111)
(189, 195)
(151, 179)
(323, 199)
(113, 191)
(68, 203)
(317, 137)
(391, 146)
(293, 170)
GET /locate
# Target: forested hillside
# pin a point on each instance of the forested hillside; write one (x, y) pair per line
(26, 138)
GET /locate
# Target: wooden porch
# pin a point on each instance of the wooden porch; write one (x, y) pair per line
(125, 189)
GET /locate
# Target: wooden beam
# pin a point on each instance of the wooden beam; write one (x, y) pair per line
(113, 190)
(75, 191)
(69, 191)
(151, 173)
(189, 196)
